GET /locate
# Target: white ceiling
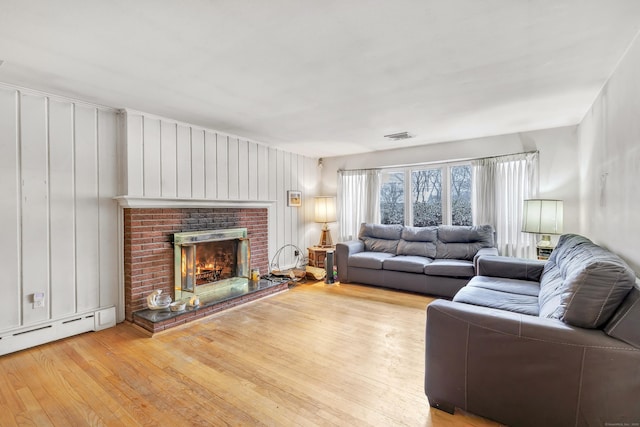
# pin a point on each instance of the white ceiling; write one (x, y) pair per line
(325, 77)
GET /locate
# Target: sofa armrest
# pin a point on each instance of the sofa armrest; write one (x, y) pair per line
(506, 366)
(510, 268)
(484, 252)
(343, 251)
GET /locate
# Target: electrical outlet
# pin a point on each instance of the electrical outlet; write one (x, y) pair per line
(38, 300)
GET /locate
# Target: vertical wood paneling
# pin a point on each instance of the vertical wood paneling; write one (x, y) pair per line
(135, 156)
(243, 170)
(273, 195)
(35, 232)
(197, 164)
(211, 167)
(108, 208)
(183, 161)
(168, 142)
(220, 167)
(289, 211)
(87, 209)
(10, 303)
(263, 173)
(223, 167)
(310, 185)
(281, 205)
(253, 171)
(61, 205)
(57, 237)
(152, 158)
(234, 184)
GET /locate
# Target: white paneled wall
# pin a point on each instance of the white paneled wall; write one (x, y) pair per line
(171, 160)
(58, 219)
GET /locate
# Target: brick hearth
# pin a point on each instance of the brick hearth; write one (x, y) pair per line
(148, 249)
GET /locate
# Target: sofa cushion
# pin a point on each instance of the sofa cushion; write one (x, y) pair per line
(594, 282)
(406, 263)
(518, 303)
(450, 267)
(463, 242)
(625, 323)
(514, 286)
(380, 237)
(420, 241)
(371, 260)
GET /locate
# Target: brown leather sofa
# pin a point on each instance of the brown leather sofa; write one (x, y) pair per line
(532, 344)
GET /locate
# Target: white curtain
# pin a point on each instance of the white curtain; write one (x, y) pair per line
(501, 184)
(358, 200)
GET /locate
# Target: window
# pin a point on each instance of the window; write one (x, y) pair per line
(439, 194)
(426, 194)
(461, 195)
(392, 198)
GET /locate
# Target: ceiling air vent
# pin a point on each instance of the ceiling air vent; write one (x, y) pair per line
(399, 136)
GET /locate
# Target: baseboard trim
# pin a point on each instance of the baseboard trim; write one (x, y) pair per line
(55, 330)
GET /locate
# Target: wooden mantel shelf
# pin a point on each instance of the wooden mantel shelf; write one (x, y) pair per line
(167, 202)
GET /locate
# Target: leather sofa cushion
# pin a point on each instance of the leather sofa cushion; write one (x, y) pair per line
(518, 303)
(514, 286)
(450, 268)
(409, 264)
(380, 237)
(424, 249)
(371, 260)
(463, 242)
(625, 323)
(419, 234)
(594, 283)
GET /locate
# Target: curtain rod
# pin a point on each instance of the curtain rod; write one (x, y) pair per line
(446, 162)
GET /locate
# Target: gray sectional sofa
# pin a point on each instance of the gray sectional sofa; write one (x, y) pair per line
(432, 260)
(528, 343)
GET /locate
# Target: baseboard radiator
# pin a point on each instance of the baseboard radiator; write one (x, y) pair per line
(55, 330)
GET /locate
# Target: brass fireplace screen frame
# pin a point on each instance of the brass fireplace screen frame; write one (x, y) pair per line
(185, 247)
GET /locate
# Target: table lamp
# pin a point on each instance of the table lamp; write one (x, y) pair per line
(325, 212)
(544, 217)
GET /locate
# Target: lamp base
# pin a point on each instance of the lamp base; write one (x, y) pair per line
(325, 238)
(545, 241)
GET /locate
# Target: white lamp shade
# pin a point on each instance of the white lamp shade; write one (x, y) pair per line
(542, 216)
(325, 209)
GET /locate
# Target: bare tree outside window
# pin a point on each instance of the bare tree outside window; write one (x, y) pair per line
(438, 194)
(426, 192)
(461, 195)
(392, 198)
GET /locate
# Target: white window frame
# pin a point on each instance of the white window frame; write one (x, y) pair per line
(446, 187)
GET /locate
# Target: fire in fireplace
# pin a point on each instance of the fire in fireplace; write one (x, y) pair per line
(211, 261)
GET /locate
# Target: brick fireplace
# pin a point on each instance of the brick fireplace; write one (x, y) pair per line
(149, 252)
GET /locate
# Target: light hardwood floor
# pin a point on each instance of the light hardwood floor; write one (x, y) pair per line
(343, 355)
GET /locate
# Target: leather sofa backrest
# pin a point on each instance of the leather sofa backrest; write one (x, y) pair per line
(419, 241)
(380, 237)
(583, 284)
(463, 242)
(443, 242)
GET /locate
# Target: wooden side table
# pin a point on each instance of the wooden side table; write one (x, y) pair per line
(318, 255)
(544, 252)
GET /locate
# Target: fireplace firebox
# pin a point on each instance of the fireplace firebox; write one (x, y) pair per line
(211, 262)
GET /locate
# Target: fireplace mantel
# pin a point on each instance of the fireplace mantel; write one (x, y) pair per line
(167, 202)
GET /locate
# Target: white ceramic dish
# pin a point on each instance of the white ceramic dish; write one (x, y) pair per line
(178, 306)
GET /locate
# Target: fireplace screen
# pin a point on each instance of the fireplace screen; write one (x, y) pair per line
(207, 261)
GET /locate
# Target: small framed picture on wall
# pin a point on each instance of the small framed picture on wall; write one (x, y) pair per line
(294, 198)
